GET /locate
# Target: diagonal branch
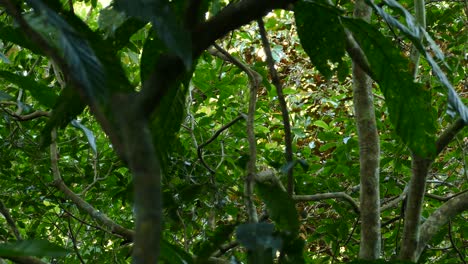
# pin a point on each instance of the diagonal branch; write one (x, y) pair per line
(323, 196)
(282, 102)
(78, 201)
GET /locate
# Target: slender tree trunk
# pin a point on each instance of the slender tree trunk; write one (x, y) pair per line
(369, 152)
(420, 169)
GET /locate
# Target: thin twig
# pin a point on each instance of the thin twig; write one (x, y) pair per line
(211, 139)
(73, 239)
(462, 258)
(282, 102)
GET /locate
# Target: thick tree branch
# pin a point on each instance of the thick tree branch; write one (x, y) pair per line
(439, 218)
(417, 188)
(369, 148)
(171, 69)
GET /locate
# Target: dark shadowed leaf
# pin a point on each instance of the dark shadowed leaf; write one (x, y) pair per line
(41, 92)
(322, 35)
(38, 248)
(5, 97)
(258, 236)
(214, 241)
(84, 66)
(280, 206)
(164, 20)
(172, 254)
(16, 36)
(67, 108)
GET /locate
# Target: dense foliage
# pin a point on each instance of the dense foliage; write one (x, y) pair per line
(97, 97)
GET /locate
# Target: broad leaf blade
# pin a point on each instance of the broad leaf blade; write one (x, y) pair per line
(41, 92)
(281, 207)
(165, 22)
(84, 66)
(322, 35)
(38, 248)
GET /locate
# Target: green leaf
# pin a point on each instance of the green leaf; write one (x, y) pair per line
(83, 64)
(67, 108)
(416, 34)
(322, 124)
(38, 248)
(258, 236)
(41, 92)
(409, 103)
(5, 97)
(88, 133)
(281, 207)
(164, 21)
(15, 35)
(172, 254)
(322, 35)
(213, 242)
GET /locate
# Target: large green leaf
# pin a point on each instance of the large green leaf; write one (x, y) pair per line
(171, 110)
(38, 248)
(41, 92)
(322, 35)
(82, 62)
(164, 20)
(213, 242)
(68, 107)
(409, 103)
(281, 207)
(260, 241)
(172, 254)
(415, 33)
(15, 35)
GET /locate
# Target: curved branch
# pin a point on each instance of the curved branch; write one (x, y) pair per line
(323, 196)
(439, 218)
(78, 201)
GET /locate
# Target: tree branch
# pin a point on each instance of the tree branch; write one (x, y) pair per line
(4, 211)
(78, 201)
(323, 196)
(439, 218)
(282, 102)
(212, 138)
